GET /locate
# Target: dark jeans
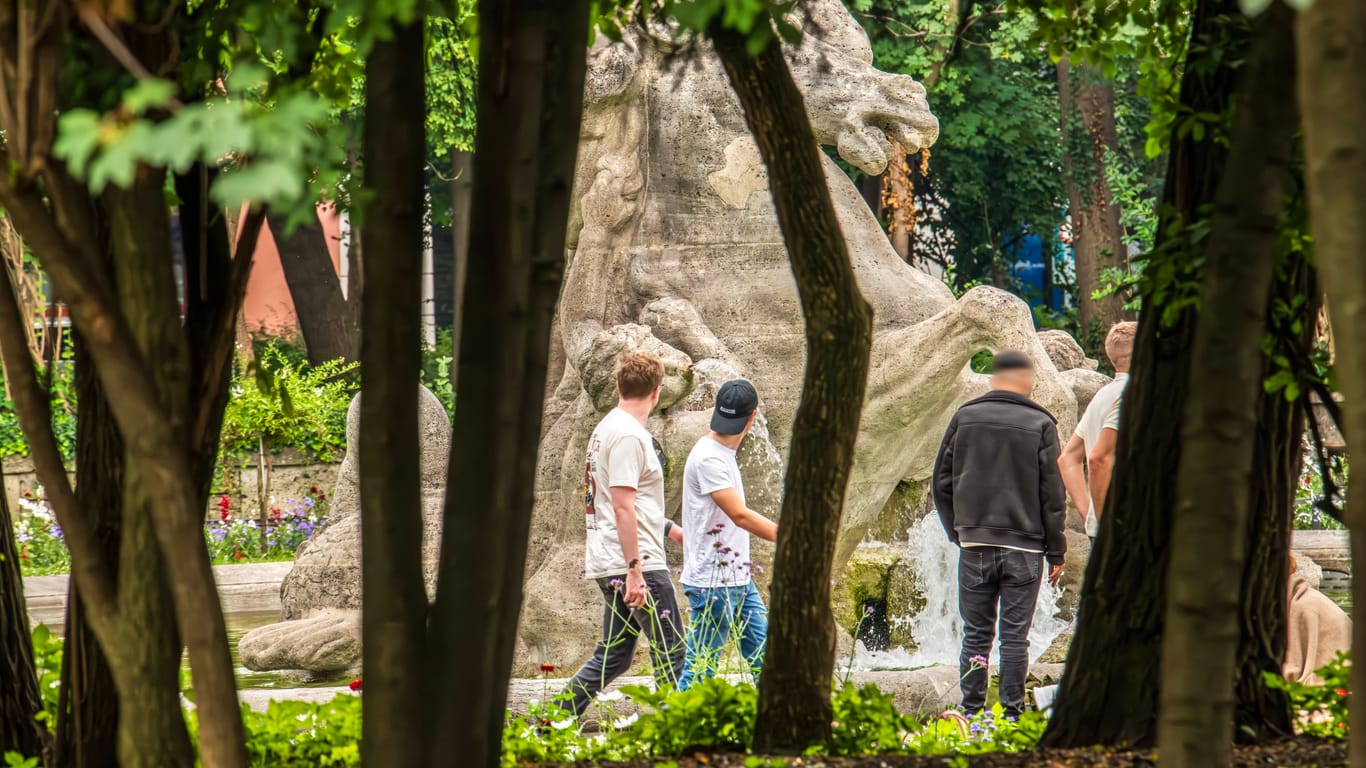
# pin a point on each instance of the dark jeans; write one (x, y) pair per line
(988, 576)
(621, 627)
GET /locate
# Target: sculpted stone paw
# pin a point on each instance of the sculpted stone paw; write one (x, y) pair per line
(322, 643)
(598, 365)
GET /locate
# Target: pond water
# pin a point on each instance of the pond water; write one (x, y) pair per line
(243, 622)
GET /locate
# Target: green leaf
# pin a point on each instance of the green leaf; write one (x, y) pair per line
(148, 93)
(78, 137)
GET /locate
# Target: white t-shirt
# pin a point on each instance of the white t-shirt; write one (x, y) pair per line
(1101, 414)
(715, 549)
(621, 455)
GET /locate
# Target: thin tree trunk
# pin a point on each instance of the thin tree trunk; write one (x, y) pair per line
(355, 255)
(523, 174)
(794, 693)
(1109, 695)
(462, 190)
(1332, 56)
(327, 322)
(88, 709)
(395, 615)
(1087, 102)
(1214, 486)
(20, 699)
(1262, 713)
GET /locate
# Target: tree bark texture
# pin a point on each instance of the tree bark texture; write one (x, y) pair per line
(1109, 695)
(794, 693)
(88, 710)
(395, 615)
(462, 191)
(1261, 713)
(1087, 103)
(1209, 535)
(532, 66)
(20, 699)
(326, 320)
(148, 675)
(1332, 55)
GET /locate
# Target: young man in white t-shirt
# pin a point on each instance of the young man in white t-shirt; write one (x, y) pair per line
(717, 572)
(623, 492)
(1088, 459)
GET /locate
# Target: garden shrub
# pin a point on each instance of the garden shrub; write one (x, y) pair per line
(1321, 710)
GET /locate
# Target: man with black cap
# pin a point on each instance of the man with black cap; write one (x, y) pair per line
(1000, 497)
(717, 572)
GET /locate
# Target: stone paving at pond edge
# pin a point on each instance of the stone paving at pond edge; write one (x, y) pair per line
(245, 588)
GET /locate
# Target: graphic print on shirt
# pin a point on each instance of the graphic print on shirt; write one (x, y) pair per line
(590, 486)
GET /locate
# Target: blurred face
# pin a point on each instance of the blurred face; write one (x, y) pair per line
(1020, 381)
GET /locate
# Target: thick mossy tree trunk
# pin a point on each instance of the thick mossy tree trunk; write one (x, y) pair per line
(794, 692)
(1215, 481)
(532, 60)
(20, 699)
(1332, 56)
(395, 616)
(325, 318)
(1109, 694)
(1086, 100)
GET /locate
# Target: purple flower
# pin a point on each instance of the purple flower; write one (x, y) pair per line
(56, 531)
(978, 661)
(666, 613)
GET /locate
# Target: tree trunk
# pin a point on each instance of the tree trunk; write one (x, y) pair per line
(794, 693)
(1087, 104)
(1332, 56)
(148, 675)
(1263, 714)
(327, 322)
(1214, 487)
(88, 710)
(528, 132)
(395, 615)
(1109, 695)
(462, 190)
(20, 698)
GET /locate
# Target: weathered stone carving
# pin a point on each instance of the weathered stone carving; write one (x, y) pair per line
(675, 247)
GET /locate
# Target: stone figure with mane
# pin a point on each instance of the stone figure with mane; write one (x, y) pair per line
(674, 248)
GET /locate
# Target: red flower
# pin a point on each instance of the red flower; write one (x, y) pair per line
(354, 684)
(313, 489)
(547, 668)
(238, 554)
(23, 551)
(1341, 692)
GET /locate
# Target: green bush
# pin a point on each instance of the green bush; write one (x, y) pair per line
(297, 733)
(288, 403)
(1321, 710)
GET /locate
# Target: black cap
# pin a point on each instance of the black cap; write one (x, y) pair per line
(735, 401)
(1011, 360)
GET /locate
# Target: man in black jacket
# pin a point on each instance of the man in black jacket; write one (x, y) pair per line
(1000, 497)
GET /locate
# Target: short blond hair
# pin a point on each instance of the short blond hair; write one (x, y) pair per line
(639, 374)
(1119, 344)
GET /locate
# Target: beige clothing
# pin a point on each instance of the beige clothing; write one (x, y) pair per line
(1100, 415)
(1317, 630)
(621, 455)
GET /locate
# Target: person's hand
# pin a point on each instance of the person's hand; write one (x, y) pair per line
(1054, 574)
(635, 589)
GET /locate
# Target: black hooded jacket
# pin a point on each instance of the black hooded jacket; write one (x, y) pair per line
(996, 481)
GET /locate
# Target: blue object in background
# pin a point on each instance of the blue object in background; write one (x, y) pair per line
(1029, 272)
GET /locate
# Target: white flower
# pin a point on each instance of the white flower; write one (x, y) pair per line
(561, 725)
(606, 696)
(626, 722)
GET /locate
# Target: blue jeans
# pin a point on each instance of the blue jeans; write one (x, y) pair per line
(716, 613)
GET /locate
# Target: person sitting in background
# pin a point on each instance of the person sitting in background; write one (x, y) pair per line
(1316, 630)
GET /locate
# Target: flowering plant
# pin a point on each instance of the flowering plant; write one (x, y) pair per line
(1321, 709)
(235, 539)
(39, 537)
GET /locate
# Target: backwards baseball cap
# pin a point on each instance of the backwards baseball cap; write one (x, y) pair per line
(1011, 360)
(735, 401)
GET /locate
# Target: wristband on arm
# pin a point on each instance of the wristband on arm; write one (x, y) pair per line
(668, 526)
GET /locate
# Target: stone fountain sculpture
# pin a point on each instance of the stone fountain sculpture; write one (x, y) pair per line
(674, 248)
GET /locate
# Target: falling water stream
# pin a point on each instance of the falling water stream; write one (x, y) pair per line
(937, 628)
